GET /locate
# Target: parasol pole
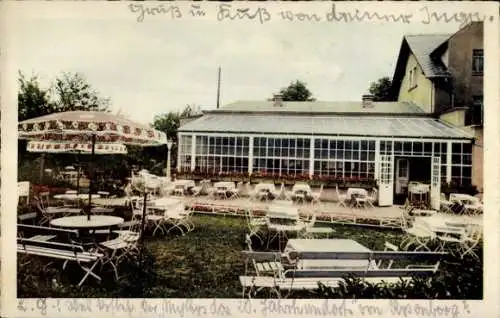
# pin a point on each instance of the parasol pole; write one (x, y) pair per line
(143, 223)
(77, 179)
(91, 176)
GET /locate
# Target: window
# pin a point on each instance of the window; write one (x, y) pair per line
(413, 77)
(219, 154)
(477, 110)
(477, 62)
(345, 158)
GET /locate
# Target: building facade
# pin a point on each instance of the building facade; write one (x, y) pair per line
(342, 140)
(443, 74)
(431, 133)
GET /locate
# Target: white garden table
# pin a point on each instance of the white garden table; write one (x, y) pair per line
(82, 222)
(282, 211)
(109, 201)
(327, 245)
(166, 203)
(74, 196)
(186, 184)
(470, 203)
(422, 212)
(301, 187)
(463, 198)
(356, 191)
(228, 185)
(447, 223)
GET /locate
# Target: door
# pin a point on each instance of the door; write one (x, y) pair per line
(435, 192)
(386, 180)
(402, 175)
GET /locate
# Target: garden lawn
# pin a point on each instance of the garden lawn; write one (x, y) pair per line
(206, 263)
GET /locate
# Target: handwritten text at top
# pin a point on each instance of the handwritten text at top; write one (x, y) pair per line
(263, 14)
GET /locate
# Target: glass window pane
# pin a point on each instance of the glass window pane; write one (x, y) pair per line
(467, 159)
(417, 148)
(371, 144)
(437, 148)
(406, 146)
(355, 145)
(364, 145)
(456, 148)
(466, 172)
(467, 148)
(444, 147)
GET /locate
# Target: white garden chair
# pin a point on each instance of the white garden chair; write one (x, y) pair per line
(472, 238)
(274, 268)
(317, 195)
(342, 198)
(255, 224)
(418, 234)
(310, 230)
(372, 198)
(387, 247)
(179, 219)
(445, 205)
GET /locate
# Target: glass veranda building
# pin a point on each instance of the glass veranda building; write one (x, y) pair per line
(390, 142)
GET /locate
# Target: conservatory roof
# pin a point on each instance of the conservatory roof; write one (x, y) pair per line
(415, 127)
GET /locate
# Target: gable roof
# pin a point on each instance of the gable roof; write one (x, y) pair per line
(320, 107)
(422, 47)
(376, 126)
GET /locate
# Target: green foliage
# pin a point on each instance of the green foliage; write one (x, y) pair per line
(168, 123)
(33, 101)
(453, 187)
(70, 92)
(296, 91)
(73, 92)
(381, 89)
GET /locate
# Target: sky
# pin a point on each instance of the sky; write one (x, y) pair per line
(161, 65)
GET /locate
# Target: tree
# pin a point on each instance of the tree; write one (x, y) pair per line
(168, 123)
(74, 93)
(32, 100)
(70, 92)
(297, 91)
(190, 110)
(381, 89)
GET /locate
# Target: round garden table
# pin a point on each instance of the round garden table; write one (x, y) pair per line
(83, 223)
(74, 196)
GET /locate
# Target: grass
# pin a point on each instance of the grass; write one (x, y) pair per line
(206, 263)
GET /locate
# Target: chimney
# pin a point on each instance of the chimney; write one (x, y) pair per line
(368, 101)
(278, 100)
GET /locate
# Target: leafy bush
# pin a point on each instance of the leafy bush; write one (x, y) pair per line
(452, 187)
(446, 284)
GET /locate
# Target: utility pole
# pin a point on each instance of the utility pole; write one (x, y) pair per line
(218, 88)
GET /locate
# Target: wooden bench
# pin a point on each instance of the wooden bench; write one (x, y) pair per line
(309, 279)
(43, 233)
(30, 216)
(62, 251)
